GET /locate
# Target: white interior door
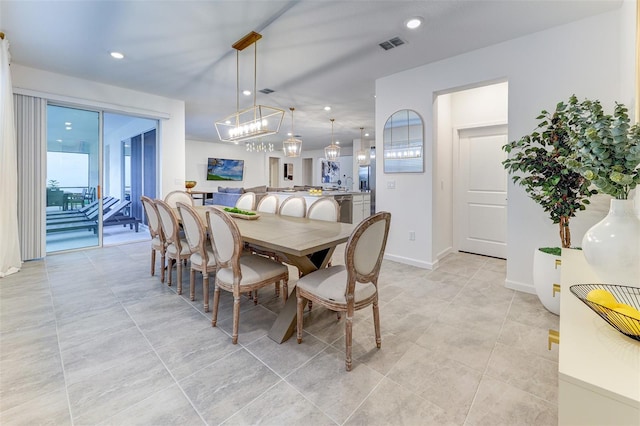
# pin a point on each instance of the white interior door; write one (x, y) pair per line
(481, 204)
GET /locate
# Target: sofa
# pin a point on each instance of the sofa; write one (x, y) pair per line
(229, 196)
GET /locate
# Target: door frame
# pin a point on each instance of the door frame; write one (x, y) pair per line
(457, 185)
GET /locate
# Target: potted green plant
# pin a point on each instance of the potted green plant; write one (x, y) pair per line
(607, 153)
(534, 164)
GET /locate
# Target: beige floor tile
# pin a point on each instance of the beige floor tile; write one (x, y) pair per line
(221, 389)
(281, 405)
(457, 348)
(391, 404)
(515, 366)
(51, 409)
(438, 379)
(499, 404)
(108, 392)
(324, 382)
(167, 407)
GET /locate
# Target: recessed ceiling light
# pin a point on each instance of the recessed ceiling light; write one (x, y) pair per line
(327, 108)
(117, 55)
(366, 134)
(337, 142)
(413, 23)
(67, 123)
(58, 140)
(246, 92)
(68, 127)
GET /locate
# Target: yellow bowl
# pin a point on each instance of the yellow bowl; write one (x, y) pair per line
(190, 184)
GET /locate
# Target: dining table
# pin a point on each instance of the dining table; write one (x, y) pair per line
(307, 244)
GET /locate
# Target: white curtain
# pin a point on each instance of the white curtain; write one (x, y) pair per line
(31, 134)
(10, 260)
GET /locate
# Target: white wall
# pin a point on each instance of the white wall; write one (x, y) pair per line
(584, 57)
(92, 95)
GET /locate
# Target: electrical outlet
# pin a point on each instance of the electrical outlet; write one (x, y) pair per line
(412, 235)
(391, 184)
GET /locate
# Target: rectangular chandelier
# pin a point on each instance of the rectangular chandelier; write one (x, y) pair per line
(256, 121)
(253, 122)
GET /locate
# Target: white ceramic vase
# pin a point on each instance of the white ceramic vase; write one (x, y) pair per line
(546, 273)
(612, 246)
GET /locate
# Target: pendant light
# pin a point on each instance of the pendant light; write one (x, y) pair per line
(363, 158)
(292, 147)
(332, 152)
(253, 122)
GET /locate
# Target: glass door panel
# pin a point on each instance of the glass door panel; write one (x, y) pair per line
(73, 177)
(130, 165)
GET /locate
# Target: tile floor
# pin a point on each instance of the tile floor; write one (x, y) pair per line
(89, 337)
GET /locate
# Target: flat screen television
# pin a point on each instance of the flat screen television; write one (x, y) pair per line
(225, 169)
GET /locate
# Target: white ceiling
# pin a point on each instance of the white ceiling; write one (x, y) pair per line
(313, 52)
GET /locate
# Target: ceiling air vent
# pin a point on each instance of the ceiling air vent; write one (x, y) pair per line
(266, 91)
(390, 44)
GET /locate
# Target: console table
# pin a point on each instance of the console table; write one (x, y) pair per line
(599, 368)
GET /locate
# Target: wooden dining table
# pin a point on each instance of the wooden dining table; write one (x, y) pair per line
(308, 244)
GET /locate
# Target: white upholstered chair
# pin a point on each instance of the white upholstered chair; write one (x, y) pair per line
(237, 271)
(202, 258)
(293, 206)
(246, 201)
(268, 204)
(352, 286)
(178, 196)
(157, 236)
(325, 208)
(177, 248)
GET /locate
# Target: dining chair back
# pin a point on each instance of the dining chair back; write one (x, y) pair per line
(178, 196)
(352, 286)
(237, 272)
(324, 209)
(293, 206)
(268, 204)
(246, 201)
(157, 236)
(202, 258)
(177, 249)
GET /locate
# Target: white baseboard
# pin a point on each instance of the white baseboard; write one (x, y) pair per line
(412, 262)
(444, 252)
(525, 288)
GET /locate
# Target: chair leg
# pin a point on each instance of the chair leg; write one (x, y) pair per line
(299, 314)
(285, 288)
(205, 290)
(169, 268)
(192, 284)
(216, 300)
(179, 275)
(236, 319)
(255, 297)
(162, 266)
(348, 337)
(153, 262)
(277, 288)
(376, 322)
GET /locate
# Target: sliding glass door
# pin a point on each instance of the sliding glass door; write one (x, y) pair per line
(73, 177)
(87, 205)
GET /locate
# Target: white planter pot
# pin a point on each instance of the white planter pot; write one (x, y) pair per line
(546, 273)
(612, 246)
